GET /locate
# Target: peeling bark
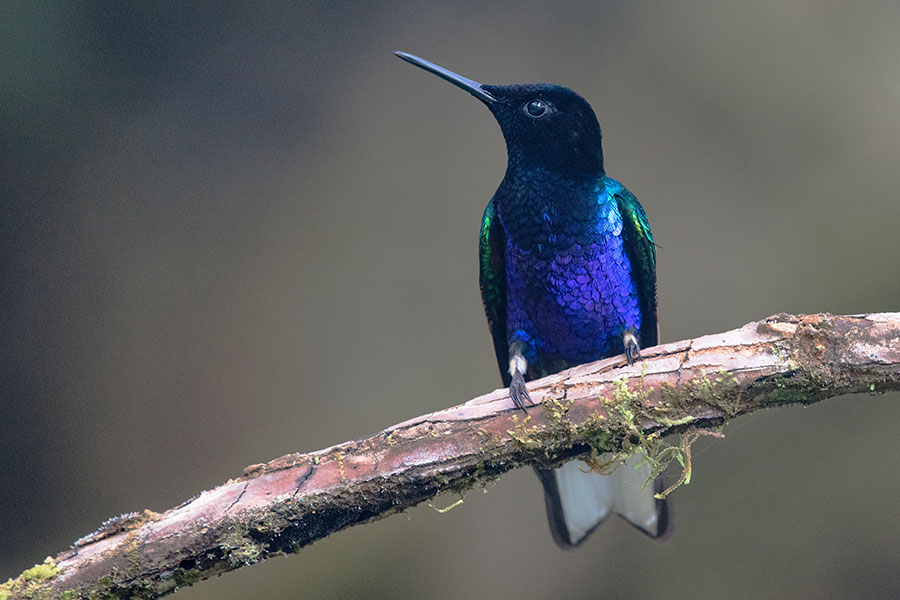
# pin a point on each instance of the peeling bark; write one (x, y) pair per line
(281, 506)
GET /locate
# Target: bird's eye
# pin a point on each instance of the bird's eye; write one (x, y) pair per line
(536, 109)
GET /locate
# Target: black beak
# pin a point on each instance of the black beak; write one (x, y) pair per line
(473, 87)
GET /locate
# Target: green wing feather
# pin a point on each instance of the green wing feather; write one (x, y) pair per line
(641, 250)
(492, 280)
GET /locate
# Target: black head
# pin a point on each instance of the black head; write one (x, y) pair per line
(544, 125)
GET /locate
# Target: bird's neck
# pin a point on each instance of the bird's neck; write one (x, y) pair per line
(535, 203)
(582, 159)
(528, 187)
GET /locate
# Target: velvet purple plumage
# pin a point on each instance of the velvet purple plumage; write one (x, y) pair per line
(570, 294)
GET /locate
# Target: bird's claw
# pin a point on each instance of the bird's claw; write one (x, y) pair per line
(632, 348)
(518, 392)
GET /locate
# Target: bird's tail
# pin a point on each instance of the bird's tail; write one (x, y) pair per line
(578, 500)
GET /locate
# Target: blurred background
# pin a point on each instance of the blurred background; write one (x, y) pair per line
(235, 231)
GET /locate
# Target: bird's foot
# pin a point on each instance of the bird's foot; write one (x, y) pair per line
(632, 348)
(518, 392)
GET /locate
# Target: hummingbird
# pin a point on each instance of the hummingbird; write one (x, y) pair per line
(567, 271)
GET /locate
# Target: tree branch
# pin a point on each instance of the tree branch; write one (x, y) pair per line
(283, 505)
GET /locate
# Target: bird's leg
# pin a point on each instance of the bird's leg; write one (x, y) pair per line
(632, 348)
(518, 365)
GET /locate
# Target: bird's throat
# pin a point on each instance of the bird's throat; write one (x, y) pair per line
(538, 206)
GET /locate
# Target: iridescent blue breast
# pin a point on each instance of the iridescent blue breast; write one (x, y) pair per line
(570, 293)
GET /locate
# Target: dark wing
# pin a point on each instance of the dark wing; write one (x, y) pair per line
(492, 280)
(641, 251)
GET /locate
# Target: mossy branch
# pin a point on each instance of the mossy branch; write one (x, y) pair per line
(281, 506)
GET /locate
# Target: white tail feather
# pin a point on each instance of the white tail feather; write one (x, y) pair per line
(587, 498)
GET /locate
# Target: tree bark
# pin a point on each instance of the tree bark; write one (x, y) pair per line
(602, 407)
